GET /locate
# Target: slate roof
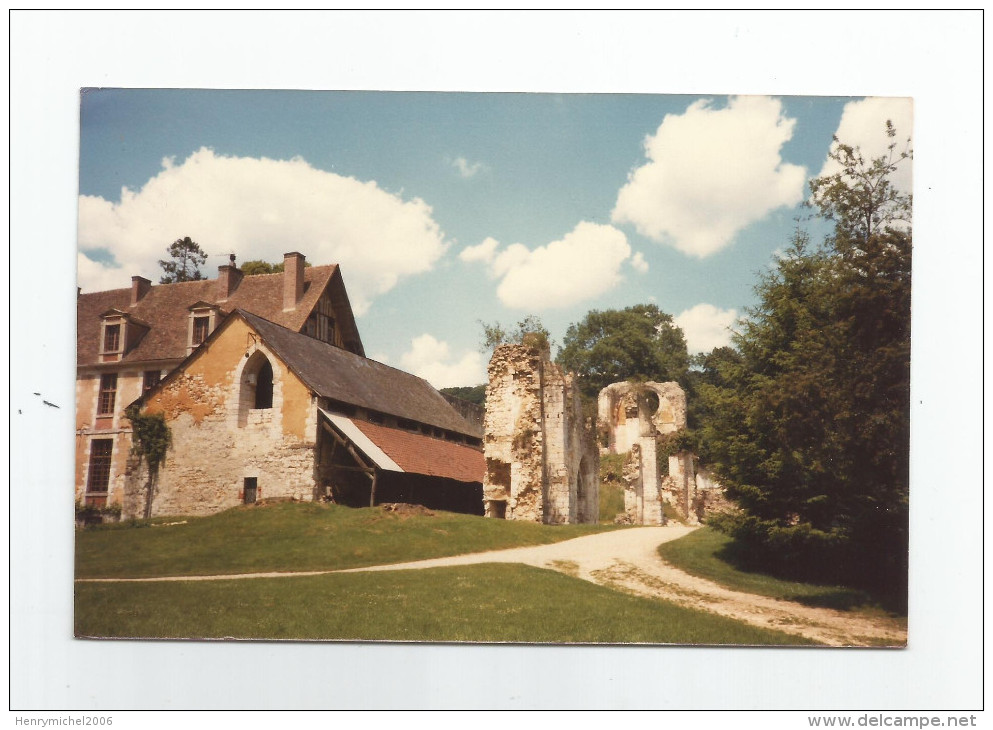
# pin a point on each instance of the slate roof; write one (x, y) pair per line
(419, 454)
(334, 373)
(165, 310)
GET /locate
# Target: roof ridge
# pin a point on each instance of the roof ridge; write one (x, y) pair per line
(410, 383)
(204, 280)
(355, 354)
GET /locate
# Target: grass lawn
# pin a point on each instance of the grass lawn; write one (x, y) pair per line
(485, 603)
(296, 537)
(611, 487)
(700, 554)
(611, 502)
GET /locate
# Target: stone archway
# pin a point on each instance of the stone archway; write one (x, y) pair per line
(632, 416)
(258, 388)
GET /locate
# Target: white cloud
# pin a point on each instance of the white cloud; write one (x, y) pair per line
(467, 169)
(710, 173)
(863, 125)
(515, 255)
(95, 276)
(638, 263)
(432, 360)
(260, 209)
(481, 252)
(706, 327)
(585, 263)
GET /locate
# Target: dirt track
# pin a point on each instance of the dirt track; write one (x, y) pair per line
(628, 560)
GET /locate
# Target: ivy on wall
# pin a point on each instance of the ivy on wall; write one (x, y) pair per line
(150, 442)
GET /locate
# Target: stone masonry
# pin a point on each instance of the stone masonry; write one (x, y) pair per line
(220, 441)
(542, 464)
(632, 417)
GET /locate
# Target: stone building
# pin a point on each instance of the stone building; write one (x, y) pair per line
(632, 417)
(541, 460)
(265, 387)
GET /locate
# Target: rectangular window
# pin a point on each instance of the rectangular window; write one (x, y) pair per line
(201, 328)
(100, 453)
(251, 492)
(150, 379)
(112, 338)
(108, 394)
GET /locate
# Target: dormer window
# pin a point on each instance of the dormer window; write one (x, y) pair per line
(203, 320)
(119, 334)
(112, 338)
(201, 328)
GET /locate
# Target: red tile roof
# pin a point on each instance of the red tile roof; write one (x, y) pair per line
(425, 455)
(165, 309)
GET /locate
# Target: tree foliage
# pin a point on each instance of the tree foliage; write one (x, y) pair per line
(529, 331)
(186, 259)
(808, 423)
(472, 393)
(636, 343)
(258, 266)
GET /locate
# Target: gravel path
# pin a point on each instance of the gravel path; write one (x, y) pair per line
(628, 560)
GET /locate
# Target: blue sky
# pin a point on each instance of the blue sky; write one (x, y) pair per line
(444, 209)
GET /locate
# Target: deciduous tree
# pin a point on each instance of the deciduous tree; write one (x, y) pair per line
(640, 342)
(529, 331)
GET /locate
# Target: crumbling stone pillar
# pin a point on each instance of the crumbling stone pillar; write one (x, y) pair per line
(681, 483)
(541, 461)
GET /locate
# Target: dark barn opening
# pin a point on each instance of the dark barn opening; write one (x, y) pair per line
(438, 493)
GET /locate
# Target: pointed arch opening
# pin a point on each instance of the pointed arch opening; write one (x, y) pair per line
(256, 388)
(263, 386)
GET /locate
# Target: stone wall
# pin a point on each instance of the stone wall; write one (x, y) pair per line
(709, 495)
(541, 461)
(219, 440)
(630, 419)
(90, 426)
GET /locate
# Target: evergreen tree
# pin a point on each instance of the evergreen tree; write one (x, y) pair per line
(809, 427)
(187, 258)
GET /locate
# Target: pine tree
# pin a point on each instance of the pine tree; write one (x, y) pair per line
(187, 258)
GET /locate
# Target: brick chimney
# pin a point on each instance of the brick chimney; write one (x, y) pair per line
(293, 265)
(139, 288)
(228, 278)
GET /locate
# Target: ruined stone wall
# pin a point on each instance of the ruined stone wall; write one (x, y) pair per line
(630, 418)
(541, 463)
(570, 452)
(709, 496)
(219, 440)
(680, 485)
